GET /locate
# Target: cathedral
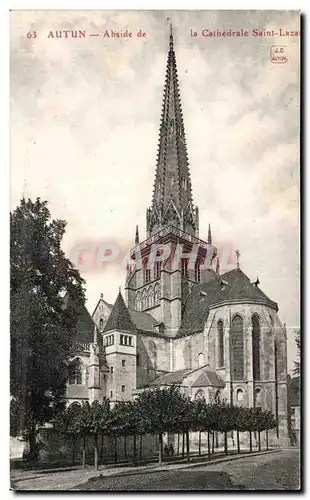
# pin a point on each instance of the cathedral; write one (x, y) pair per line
(180, 320)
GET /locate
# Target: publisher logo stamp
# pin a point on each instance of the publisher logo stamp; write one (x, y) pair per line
(278, 54)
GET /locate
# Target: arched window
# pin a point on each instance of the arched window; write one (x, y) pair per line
(257, 398)
(75, 372)
(239, 395)
(201, 359)
(153, 353)
(144, 299)
(101, 324)
(187, 353)
(197, 271)
(157, 270)
(146, 272)
(237, 357)
(220, 338)
(200, 394)
(156, 294)
(256, 347)
(138, 301)
(184, 268)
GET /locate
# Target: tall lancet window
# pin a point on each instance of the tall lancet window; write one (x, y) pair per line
(220, 339)
(157, 269)
(146, 272)
(236, 346)
(184, 267)
(256, 347)
(197, 271)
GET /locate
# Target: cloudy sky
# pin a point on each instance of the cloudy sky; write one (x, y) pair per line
(85, 118)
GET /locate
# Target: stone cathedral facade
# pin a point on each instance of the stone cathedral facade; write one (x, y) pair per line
(180, 320)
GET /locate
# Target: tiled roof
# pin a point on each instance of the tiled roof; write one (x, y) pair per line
(143, 321)
(170, 378)
(207, 379)
(232, 286)
(120, 318)
(85, 325)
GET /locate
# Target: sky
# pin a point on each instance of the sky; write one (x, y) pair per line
(85, 116)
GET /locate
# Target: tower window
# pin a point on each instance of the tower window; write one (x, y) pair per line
(101, 324)
(123, 388)
(157, 269)
(197, 271)
(129, 341)
(146, 272)
(111, 369)
(123, 362)
(111, 394)
(184, 264)
(138, 360)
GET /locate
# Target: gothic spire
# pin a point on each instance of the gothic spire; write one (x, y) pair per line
(172, 202)
(137, 236)
(209, 235)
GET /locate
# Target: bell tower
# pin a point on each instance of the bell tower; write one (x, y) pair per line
(172, 259)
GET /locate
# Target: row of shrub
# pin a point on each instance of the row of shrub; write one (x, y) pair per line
(159, 411)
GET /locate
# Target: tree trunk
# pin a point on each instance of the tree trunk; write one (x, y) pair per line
(216, 439)
(238, 441)
(187, 446)
(178, 443)
(141, 442)
(101, 450)
(212, 442)
(160, 454)
(84, 452)
(125, 446)
(267, 443)
(73, 449)
(96, 452)
(33, 450)
(225, 443)
(250, 441)
(209, 451)
(199, 444)
(259, 443)
(135, 449)
(183, 445)
(115, 449)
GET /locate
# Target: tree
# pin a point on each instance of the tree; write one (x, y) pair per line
(296, 371)
(67, 423)
(126, 421)
(100, 418)
(162, 410)
(42, 328)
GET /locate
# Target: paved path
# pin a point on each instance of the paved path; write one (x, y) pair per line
(220, 474)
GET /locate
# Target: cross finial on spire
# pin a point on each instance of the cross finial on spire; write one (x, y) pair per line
(237, 252)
